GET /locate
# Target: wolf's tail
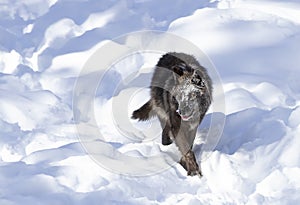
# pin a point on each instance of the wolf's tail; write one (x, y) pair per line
(144, 112)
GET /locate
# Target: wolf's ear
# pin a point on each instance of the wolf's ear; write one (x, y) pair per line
(179, 69)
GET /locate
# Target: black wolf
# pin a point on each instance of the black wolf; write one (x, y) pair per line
(181, 93)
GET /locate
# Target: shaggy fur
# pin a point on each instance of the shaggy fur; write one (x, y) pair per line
(181, 93)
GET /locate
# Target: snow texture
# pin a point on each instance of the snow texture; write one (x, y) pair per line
(45, 44)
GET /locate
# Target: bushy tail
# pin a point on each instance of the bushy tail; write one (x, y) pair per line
(144, 112)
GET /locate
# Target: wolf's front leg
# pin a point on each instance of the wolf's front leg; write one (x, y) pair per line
(189, 163)
(184, 138)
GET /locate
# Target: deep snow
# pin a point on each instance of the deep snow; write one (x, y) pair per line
(44, 45)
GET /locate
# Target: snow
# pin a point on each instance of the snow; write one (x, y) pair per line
(9, 61)
(51, 62)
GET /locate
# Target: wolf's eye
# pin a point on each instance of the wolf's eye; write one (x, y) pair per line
(195, 81)
(198, 82)
(179, 69)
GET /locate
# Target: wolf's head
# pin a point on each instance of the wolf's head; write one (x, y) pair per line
(190, 91)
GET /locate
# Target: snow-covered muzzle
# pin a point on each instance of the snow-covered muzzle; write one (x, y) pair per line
(187, 95)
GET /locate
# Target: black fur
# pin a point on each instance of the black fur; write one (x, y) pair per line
(143, 113)
(181, 93)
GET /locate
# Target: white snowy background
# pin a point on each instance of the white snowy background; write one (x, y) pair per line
(255, 46)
